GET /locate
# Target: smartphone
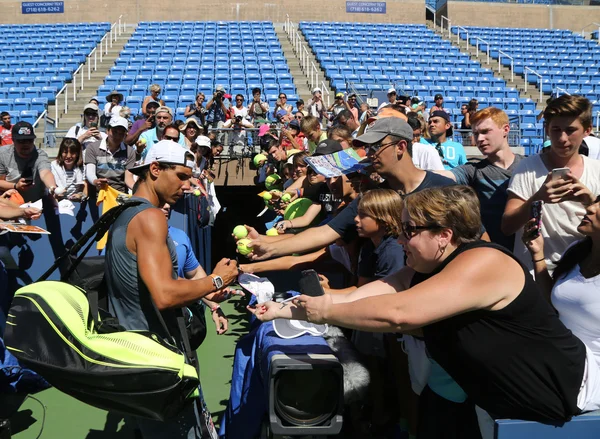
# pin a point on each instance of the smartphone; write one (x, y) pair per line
(310, 284)
(94, 125)
(536, 213)
(558, 173)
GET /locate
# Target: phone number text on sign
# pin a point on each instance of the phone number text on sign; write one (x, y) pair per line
(42, 7)
(366, 7)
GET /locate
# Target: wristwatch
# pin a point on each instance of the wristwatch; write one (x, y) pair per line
(217, 281)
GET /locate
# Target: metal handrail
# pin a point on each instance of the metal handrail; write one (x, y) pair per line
(300, 49)
(66, 90)
(591, 24)
(35, 124)
(458, 33)
(477, 40)
(442, 18)
(525, 70)
(512, 64)
(75, 81)
(325, 91)
(564, 91)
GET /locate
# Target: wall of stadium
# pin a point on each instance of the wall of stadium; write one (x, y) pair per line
(519, 15)
(398, 11)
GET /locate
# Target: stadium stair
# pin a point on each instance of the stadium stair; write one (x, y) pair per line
(300, 77)
(533, 92)
(90, 87)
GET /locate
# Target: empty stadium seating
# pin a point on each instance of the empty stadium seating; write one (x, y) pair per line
(37, 60)
(185, 58)
(564, 60)
(416, 61)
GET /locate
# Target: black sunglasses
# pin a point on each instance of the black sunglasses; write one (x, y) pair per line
(410, 230)
(174, 139)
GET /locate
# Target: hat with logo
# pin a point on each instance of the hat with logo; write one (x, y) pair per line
(203, 141)
(285, 328)
(385, 127)
(164, 109)
(118, 121)
(165, 151)
(92, 107)
(23, 131)
(327, 146)
(438, 96)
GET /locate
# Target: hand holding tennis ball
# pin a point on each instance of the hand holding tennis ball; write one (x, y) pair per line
(143, 141)
(240, 232)
(272, 232)
(286, 198)
(267, 196)
(243, 247)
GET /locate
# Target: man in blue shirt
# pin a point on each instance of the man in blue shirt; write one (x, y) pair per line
(164, 118)
(440, 128)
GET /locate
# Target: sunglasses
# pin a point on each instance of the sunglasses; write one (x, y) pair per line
(282, 97)
(298, 117)
(377, 147)
(174, 139)
(410, 230)
(239, 99)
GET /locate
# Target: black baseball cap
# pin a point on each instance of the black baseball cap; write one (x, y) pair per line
(438, 96)
(328, 146)
(23, 131)
(440, 113)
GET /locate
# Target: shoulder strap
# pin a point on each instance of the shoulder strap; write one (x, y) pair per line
(77, 128)
(97, 231)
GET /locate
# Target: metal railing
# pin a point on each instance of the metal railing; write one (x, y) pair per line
(302, 53)
(65, 89)
(487, 45)
(597, 121)
(512, 64)
(37, 121)
(528, 69)
(597, 25)
(458, 30)
(325, 92)
(561, 90)
(442, 18)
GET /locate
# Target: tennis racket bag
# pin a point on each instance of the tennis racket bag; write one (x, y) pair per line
(57, 330)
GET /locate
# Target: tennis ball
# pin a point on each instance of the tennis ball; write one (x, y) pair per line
(272, 181)
(240, 232)
(267, 196)
(197, 192)
(143, 141)
(259, 158)
(272, 232)
(286, 197)
(243, 247)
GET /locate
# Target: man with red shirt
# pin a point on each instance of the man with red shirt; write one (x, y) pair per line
(5, 129)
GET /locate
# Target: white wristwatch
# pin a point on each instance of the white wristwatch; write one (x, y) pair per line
(217, 281)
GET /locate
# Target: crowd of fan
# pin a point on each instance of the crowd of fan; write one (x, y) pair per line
(413, 220)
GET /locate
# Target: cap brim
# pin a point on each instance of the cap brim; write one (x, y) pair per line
(32, 137)
(295, 328)
(137, 170)
(369, 138)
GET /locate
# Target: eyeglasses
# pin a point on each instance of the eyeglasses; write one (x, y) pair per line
(239, 99)
(376, 148)
(174, 139)
(410, 230)
(282, 97)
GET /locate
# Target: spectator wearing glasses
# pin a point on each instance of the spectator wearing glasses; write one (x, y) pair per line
(351, 105)
(5, 129)
(440, 128)
(191, 129)
(292, 137)
(391, 95)
(338, 106)
(316, 107)
(238, 120)
(171, 132)
(346, 119)
(164, 118)
(153, 97)
(87, 131)
(282, 104)
(439, 104)
(258, 109)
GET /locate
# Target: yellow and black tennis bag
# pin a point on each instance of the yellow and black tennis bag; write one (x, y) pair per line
(57, 330)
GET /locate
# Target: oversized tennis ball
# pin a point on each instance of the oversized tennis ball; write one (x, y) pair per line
(243, 247)
(272, 181)
(272, 232)
(240, 232)
(267, 196)
(259, 158)
(197, 192)
(286, 197)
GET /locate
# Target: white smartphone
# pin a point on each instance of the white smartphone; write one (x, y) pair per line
(560, 173)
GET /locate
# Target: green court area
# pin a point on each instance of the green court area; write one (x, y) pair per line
(67, 418)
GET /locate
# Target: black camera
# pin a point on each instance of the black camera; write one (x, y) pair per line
(238, 119)
(219, 95)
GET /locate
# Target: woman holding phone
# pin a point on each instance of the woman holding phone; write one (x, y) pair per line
(490, 329)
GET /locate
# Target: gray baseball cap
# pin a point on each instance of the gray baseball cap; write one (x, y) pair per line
(384, 127)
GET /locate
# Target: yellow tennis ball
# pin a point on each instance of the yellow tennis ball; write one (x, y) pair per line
(272, 232)
(259, 158)
(197, 192)
(272, 181)
(286, 197)
(243, 247)
(143, 141)
(267, 196)
(240, 232)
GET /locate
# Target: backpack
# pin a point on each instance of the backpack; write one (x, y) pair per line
(84, 352)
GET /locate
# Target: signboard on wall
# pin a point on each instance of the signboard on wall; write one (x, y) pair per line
(42, 7)
(366, 7)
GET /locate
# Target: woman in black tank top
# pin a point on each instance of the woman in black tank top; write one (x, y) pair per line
(482, 316)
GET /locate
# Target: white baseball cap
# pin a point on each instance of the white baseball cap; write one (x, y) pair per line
(391, 90)
(165, 151)
(203, 141)
(316, 89)
(118, 121)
